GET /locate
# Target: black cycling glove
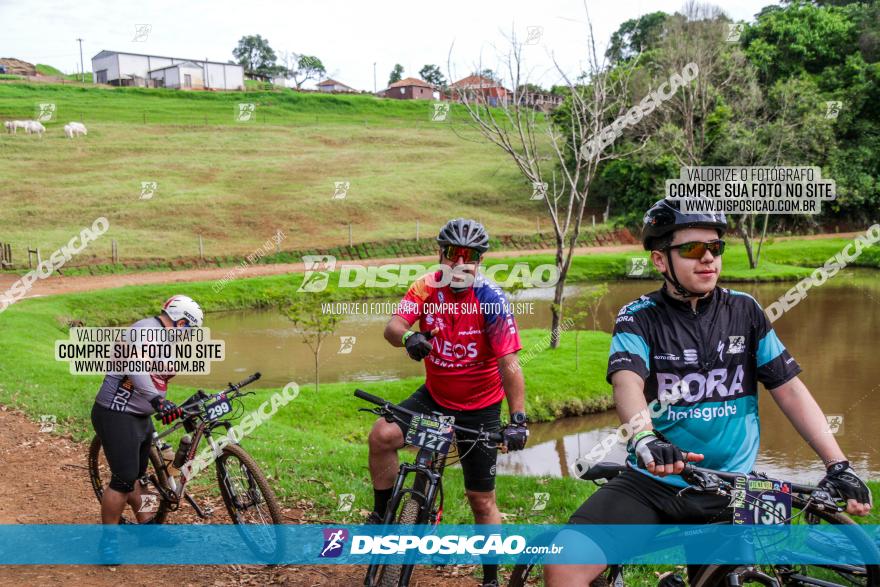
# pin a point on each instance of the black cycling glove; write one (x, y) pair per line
(843, 479)
(515, 436)
(418, 344)
(167, 410)
(650, 448)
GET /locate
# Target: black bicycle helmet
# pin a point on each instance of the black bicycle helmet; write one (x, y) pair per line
(463, 232)
(665, 217)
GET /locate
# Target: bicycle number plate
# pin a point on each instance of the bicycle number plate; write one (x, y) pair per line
(218, 408)
(761, 501)
(431, 432)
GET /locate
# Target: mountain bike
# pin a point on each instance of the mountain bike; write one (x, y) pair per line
(419, 485)
(816, 506)
(246, 493)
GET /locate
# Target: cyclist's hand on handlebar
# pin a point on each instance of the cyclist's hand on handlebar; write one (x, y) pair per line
(418, 344)
(660, 457)
(166, 410)
(515, 436)
(849, 486)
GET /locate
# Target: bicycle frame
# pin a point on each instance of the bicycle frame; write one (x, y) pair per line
(202, 429)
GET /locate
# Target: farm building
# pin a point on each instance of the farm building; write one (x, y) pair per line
(331, 86)
(477, 86)
(136, 69)
(409, 88)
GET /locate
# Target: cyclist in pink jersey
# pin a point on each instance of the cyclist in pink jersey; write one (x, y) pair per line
(469, 340)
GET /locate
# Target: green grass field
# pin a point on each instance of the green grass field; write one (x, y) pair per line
(235, 183)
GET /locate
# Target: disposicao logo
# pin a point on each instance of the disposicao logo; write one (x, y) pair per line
(334, 540)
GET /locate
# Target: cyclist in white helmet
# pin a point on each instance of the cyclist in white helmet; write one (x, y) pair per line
(122, 410)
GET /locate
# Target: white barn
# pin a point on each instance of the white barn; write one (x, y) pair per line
(136, 69)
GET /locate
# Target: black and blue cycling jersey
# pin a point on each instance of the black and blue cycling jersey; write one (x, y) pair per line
(713, 357)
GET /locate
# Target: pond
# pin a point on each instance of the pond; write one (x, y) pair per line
(833, 333)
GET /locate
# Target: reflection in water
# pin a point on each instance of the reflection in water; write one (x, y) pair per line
(832, 333)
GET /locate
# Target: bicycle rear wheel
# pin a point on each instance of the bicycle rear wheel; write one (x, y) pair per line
(153, 508)
(804, 575)
(250, 501)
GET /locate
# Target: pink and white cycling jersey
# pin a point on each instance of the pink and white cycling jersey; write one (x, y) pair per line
(476, 327)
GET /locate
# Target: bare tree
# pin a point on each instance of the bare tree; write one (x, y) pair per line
(555, 158)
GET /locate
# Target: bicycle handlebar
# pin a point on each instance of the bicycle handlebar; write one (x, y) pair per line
(496, 437)
(193, 408)
(607, 470)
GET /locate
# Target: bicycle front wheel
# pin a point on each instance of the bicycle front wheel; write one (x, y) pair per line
(147, 505)
(829, 575)
(250, 501)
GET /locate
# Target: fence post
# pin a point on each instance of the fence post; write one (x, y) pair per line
(114, 251)
(594, 222)
(201, 248)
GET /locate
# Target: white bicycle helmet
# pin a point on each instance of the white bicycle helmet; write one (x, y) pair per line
(185, 307)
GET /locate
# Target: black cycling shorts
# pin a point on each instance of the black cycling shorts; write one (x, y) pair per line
(126, 441)
(477, 460)
(634, 498)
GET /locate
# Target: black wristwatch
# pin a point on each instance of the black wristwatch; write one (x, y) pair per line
(518, 418)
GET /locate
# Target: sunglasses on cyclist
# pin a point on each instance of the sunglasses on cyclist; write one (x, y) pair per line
(696, 249)
(469, 255)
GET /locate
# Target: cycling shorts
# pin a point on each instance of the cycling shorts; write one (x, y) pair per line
(477, 460)
(125, 439)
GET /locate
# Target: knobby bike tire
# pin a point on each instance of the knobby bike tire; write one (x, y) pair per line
(256, 474)
(98, 483)
(409, 515)
(716, 575)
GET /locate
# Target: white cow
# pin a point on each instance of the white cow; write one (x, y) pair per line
(12, 126)
(72, 129)
(35, 127)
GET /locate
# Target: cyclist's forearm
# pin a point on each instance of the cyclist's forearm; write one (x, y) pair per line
(629, 400)
(395, 329)
(513, 382)
(799, 406)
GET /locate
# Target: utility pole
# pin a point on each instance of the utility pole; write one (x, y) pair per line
(374, 78)
(82, 68)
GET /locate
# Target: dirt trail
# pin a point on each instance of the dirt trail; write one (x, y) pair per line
(57, 284)
(44, 480)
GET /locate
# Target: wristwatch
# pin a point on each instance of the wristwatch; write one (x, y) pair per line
(518, 418)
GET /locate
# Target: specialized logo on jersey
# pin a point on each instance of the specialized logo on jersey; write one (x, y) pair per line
(737, 345)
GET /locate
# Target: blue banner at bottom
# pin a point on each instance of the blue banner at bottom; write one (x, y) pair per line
(445, 544)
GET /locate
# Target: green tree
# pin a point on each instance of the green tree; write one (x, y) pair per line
(306, 313)
(256, 56)
(586, 305)
(396, 74)
(432, 75)
(635, 36)
(305, 67)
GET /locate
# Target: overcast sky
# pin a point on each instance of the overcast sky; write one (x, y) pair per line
(348, 36)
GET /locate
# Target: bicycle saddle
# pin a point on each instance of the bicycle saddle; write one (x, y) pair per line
(603, 470)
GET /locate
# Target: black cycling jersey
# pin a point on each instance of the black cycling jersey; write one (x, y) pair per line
(713, 357)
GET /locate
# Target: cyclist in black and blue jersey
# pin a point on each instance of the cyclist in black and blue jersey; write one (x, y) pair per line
(702, 350)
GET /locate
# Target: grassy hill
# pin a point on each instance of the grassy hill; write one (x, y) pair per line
(234, 182)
